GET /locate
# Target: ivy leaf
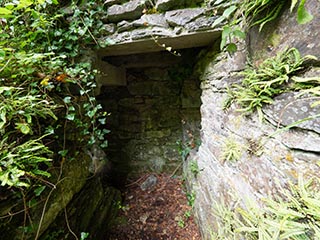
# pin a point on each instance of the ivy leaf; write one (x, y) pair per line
(231, 48)
(238, 33)
(70, 116)
(303, 16)
(63, 153)
(104, 144)
(67, 100)
(224, 36)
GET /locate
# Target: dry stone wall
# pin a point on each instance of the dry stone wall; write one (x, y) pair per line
(151, 114)
(133, 26)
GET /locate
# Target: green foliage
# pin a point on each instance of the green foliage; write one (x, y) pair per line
(254, 12)
(18, 162)
(263, 11)
(262, 83)
(194, 168)
(84, 235)
(46, 93)
(191, 198)
(19, 108)
(303, 16)
(183, 149)
(181, 222)
(40, 44)
(230, 31)
(295, 216)
(231, 150)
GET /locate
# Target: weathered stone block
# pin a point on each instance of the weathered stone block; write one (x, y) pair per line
(288, 109)
(108, 29)
(124, 26)
(157, 164)
(301, 140)
(183, 16)
(201, 23)
(151, 33)
(151, 20)
(190, 94)
(109, 3)
(109, 75)
(125, 44)
(165, 5)
(129, 11)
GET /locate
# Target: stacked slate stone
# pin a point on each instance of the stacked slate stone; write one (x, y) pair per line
(128, 21)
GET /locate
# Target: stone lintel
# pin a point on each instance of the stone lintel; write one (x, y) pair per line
(191, 40)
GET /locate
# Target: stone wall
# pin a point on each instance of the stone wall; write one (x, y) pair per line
(149, 115)
(157, 104)
(134, 26)
(284, 156)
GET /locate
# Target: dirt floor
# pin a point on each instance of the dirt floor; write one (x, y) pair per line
(161, 212)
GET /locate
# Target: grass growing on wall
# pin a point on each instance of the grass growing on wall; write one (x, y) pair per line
(295, 215)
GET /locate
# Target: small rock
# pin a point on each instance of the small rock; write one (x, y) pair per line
(149, 183)
(153, 20)
(124, 26)
(108, 29)
(128, 11)
(109, 3)
(165, 5)
(144, 218)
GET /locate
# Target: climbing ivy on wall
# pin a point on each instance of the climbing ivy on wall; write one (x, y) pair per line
(46, 91)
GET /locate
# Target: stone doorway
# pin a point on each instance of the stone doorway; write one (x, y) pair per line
(154, 112)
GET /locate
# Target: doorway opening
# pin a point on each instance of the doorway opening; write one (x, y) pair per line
(154, 114)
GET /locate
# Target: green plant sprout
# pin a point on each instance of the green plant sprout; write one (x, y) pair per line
(231, 150)
(194, 168)
(191, 198)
